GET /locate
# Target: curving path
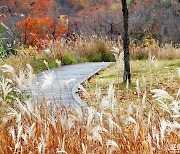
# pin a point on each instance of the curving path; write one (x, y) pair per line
(64, 88)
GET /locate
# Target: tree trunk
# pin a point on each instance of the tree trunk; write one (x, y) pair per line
(127, 75)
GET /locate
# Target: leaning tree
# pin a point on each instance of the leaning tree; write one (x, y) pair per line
(127, 74)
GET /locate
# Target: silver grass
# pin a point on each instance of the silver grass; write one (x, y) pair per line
(144, 100)
(37, 115)
(178, 71)
(113, 125)
(131, 120)
(52, 121)
(155, 136)
(175, 108)
(17, 146)
(63, 120)
(149, 119)
(1, 99)
(25, 138)
(62, 150)
(42, 145)
(111, 98)
(119, 56)
(112, 143)
(30, 106)
(157, 140)
(104, 104)
(151, 61)
(69, 81)
(164, 106)
(70, 123)
(137, 131)
(7, 68)
(31, 77)
(19, 118)
(91, 113)
(30, 130)
(85, 93)
(130, 109)
(161, 94)
(47, 51)
(48, 78)
(162, 129)
(46, 63)
(151, 80)
(98, 94)
(20, 80)
(178, 94)
(100, 115)
(58, 62)
(144, 82)
(84, 148)
(8, 30)
(21, 107)
(138, 87)
(96, 133)
(113, 146)
(174, 127)
(156, 64)
(150, 143)
(79, 112)
(12, 132)
(10, 114)
(20, 128)
(6, 88)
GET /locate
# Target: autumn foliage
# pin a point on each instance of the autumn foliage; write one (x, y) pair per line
(31, 21)
(35, 29)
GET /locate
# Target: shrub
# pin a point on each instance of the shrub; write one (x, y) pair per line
(96, 57)
(108, 57)
(69, 59)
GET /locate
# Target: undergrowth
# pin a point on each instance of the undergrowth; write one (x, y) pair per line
(27, 126)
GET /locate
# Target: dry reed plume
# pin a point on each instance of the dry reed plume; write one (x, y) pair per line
(31, 127)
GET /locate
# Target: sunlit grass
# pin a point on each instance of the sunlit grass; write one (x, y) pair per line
(141, 117)
(165, 76)
(149, 124)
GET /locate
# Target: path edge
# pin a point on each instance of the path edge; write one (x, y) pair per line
(75, 88)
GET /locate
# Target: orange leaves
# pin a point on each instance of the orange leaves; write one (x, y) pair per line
(35, 29)
(42, 7)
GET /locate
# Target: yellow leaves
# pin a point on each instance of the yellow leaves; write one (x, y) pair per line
(26, 51)
(148, 40)
(64, 19)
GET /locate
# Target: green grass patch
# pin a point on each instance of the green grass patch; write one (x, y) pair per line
(69, 59)
(177, 64)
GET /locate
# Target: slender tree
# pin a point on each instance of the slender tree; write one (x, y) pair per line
(127, 74)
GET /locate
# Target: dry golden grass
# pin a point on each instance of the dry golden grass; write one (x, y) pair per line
(83, 49)
(167, 51)
(149, 126)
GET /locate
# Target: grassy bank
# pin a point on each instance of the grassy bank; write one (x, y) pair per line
(164, 75)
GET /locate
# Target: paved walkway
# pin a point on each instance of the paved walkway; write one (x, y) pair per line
(64, 86)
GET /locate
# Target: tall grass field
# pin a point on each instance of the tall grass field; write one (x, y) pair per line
(141, 117)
